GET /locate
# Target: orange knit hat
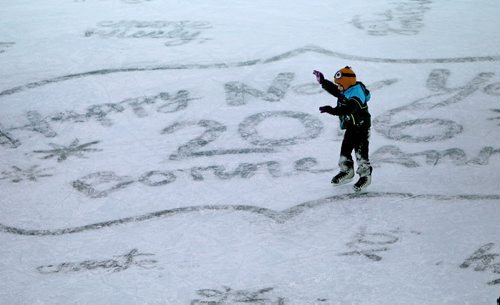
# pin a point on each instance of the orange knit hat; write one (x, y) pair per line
(345, 77)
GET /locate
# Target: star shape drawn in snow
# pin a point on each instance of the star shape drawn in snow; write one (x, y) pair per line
(18, 174)
(63, 152)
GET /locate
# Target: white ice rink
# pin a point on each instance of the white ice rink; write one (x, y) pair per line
(172, 152)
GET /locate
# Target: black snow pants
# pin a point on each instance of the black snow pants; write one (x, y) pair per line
(356, 139)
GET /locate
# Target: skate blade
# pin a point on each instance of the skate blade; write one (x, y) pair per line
(342, 183)
(360, 189)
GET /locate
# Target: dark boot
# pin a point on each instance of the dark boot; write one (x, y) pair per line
(343, 177)
(362, 183)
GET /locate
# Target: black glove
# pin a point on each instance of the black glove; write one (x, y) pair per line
(319, 76)
(328, 109)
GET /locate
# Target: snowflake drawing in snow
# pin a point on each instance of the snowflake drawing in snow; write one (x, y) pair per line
(63, 152)
(18, 174)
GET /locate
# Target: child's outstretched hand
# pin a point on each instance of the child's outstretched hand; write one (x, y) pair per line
(327, 109)
(319, 76)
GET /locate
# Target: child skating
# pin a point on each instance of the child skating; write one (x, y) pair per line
(352, 110)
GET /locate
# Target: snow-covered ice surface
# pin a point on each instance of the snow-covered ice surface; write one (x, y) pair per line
(172, 152)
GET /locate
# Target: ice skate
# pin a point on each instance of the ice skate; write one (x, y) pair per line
(343, 177)
(362, 183)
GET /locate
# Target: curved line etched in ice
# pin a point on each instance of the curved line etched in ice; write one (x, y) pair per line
(277, 216)
(280, 57)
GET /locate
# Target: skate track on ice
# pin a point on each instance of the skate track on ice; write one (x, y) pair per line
(283, 56)
(277, 216)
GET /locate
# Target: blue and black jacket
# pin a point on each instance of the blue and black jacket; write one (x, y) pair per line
(352, 104)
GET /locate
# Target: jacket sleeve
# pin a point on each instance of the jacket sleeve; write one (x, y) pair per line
(346, 107)
(330, 87)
